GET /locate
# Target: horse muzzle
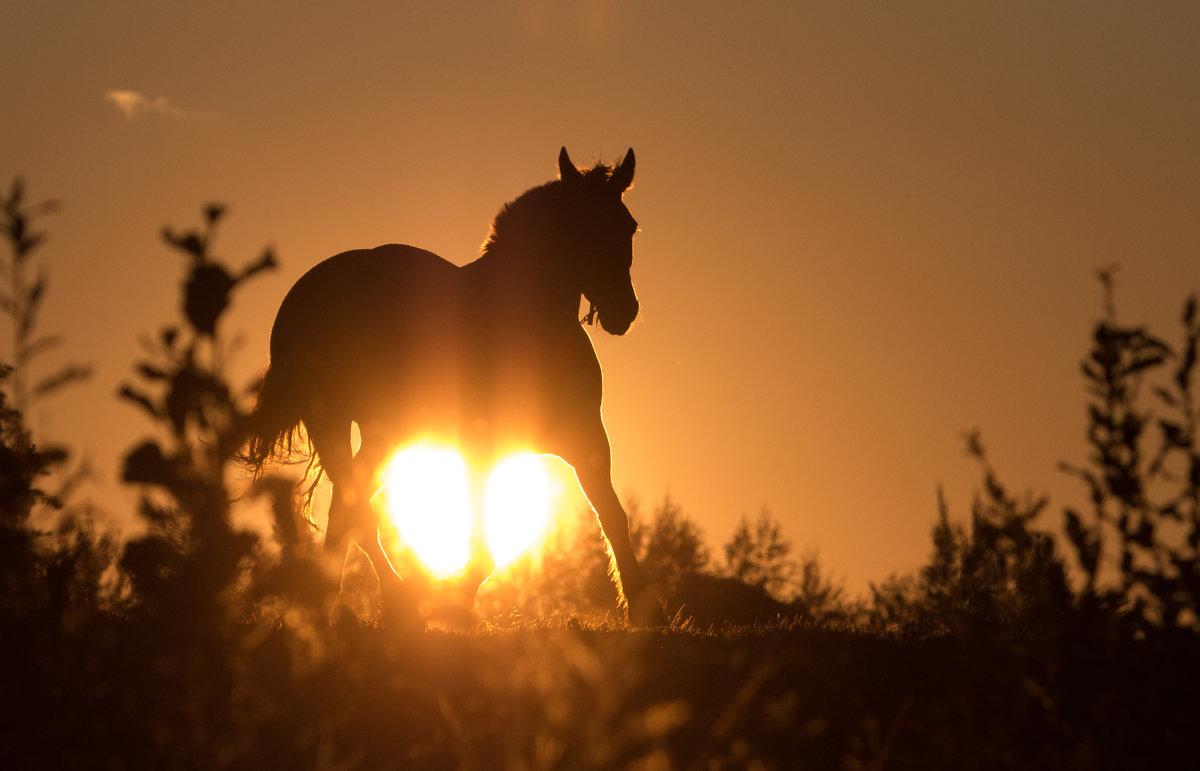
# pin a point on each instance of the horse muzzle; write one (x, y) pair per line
(616, 321)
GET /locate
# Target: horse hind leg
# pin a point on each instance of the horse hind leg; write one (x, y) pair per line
(352, 517)
(335, 464)
(400, 598)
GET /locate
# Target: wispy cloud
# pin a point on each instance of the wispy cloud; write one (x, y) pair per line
(134, 105)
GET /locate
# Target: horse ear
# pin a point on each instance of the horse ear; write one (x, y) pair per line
(622, 176)
(566, 169)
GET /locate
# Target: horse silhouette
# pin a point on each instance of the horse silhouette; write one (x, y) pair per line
(490, 356)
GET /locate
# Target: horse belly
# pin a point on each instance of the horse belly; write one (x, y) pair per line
(541, 387)
(410, 391)
(487, 401)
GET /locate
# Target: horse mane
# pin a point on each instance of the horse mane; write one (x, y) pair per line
(533, 203)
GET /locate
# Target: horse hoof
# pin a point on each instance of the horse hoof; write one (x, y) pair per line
(646, 612)
(400, 614)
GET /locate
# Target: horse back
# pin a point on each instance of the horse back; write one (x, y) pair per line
(363, 295)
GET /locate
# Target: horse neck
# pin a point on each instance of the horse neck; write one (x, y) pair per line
(512, 280)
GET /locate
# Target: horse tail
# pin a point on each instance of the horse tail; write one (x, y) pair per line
(273, 427)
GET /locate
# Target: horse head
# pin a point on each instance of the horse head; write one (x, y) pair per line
(600, 238)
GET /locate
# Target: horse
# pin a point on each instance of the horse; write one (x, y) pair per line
(490, 356)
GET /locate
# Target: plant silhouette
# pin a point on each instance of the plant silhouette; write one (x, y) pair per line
(490, 357)
(26, 577)
(1143, 474)
(185, 566)
(760, 556)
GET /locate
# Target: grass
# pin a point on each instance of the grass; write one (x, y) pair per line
(129, 693)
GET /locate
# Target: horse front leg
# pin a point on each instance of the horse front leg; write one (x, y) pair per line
(592, 462)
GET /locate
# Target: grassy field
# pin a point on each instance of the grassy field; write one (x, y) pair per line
(146, 694)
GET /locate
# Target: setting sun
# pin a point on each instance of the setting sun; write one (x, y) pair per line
(426, 495)
(518, 506)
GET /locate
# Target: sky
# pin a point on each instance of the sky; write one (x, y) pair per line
(866, 228)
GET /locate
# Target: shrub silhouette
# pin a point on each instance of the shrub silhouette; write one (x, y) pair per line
(998, 576)
(21, 465)
(670, 546)
(817, 596)
(1138, 547)
(1143, 473)
(1001, 576)
(189, 564)
(31, 572)
(23, 300)
(761, 556)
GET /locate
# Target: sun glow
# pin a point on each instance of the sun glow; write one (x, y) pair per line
(518, 506)
(425, 493)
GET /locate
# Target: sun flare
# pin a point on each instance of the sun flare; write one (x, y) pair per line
(425, 493)
(518, 506)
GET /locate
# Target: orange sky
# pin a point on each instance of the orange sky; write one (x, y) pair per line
(864, 229)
